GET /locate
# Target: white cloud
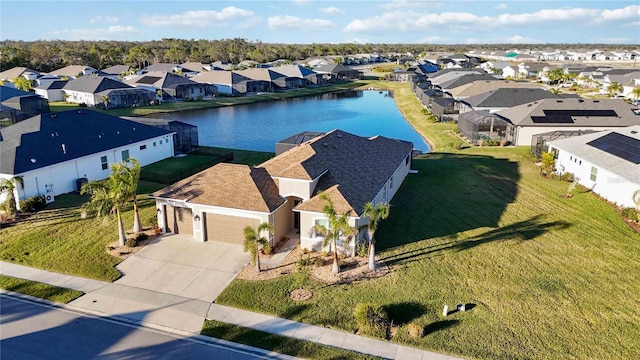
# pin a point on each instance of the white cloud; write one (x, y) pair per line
(432, 39)
(404, 20)
(629, 12)
(332, 10)
(517, 39)
(197, 18)
(114, 32)
(546, 15)
(501, 6)
(100, 18)
(288, 22)
(300, 2)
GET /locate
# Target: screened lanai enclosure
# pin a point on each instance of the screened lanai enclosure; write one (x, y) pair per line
(539, 142)
(185, 139)
(483, 125)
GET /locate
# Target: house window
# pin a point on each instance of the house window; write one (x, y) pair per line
(142, 147)
(391, 183)
(570, 158)
(594, 173)
(125, 155)
(406, 160)
(323, 222)
(579, 162)
(105, 163)
(160, 142)
(154, 143)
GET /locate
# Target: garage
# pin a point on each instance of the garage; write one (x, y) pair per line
(179, 220)
(227, 229)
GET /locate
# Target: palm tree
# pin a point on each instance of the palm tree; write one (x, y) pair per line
(130, 173)
(338, 227)
(555, 75)
(253, 242)
(614, 88)
(8, 186)
(636, 93)
(375, 214)
(108, 196)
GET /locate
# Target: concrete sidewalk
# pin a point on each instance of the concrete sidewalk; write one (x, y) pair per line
(185, 316)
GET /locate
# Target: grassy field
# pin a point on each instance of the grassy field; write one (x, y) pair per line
(548, 277)
(277, 343)
(39, 290)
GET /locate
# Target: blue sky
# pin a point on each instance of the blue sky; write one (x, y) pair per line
(309, 21)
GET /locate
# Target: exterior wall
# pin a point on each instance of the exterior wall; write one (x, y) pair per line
(309, 241)
(80, 97)
(61, 178)
(51, 95)
(525, 134)
(294, 187)
(610, 186)
(224, 89)
(283, 220)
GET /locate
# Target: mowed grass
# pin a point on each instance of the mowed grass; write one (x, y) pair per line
(39, 290)
(277, 343)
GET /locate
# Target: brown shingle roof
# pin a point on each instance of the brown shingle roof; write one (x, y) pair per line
(354, 166)
(227, 185)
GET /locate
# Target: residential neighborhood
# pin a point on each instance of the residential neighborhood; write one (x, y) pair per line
(170, 189)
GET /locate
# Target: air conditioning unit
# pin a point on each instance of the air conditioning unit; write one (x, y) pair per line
(49, 198)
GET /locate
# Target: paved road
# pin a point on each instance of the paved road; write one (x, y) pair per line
(35, 331)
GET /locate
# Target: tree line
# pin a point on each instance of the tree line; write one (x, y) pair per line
(46, 56)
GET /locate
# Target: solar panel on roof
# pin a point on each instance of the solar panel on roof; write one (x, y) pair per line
(148, 80)
(566, 116)
(619, 145)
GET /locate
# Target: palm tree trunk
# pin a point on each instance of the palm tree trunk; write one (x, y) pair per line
(121, 235)
(258, 259)
(336, 267)
(137, 227)
(372, 256)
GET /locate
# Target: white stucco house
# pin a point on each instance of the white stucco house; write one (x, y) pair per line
(217, 203)
(606, 162)
(54, 153)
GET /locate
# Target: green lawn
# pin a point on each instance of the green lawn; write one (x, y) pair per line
(277, 343)
(549, 277)
(40, 290)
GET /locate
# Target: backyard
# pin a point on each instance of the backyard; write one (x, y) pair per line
(548, 276)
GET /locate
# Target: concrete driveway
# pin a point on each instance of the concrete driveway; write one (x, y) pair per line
(179, 265)
(170, 283)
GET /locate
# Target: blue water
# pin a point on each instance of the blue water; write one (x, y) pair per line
(260, 126)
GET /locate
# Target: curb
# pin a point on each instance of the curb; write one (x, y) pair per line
(160, 329)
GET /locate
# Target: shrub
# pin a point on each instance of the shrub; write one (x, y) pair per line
(630, 213)
(152, 221)
(371, 319)
(318, 261)
(416, 330)
(361, 249)
(301, 274)
(141, 236)
(131, 242)
(82, 105)
(34, 203)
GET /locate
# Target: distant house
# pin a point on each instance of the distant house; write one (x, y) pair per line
(607, 162)
(232, 83)
(530, 70)
(298, 71)
(73, 71)
(465, 79)
(482, 86)
(510, 72)
(9, 75)
(52, 90)
(169, 86)
(93, 90)
(279, 80)
(445, 108)
(504, 98)
(217, 203)
(549, 115)
(337, 72)
(116, 71)
(17, 105)
(55, 153)
(401, 76)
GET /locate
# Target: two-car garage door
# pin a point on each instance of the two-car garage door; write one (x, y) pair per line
(227, 229)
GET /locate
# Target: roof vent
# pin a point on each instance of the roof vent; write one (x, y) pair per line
(580, 101)
(596, 101)
(632, 131)
(53, 116)
(339, 136)
(80, 112)
(559, 101)
(64, 149)
(33, 160)
(325, 144)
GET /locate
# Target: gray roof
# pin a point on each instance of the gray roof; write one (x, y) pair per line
(160, 67)
(294, 71)
(159, 80)
(52, 138)
(93, 84)
(71, 70)
(261, 74)
(116, 69)
(577, 146)
(482, 86)
(14, 72)
(508, 97)
(53, 85)
(219, 77)
(466, 79)
(573, 112)
(332, 69)
(9, 92)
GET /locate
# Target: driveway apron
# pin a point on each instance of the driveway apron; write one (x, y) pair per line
(171, 282)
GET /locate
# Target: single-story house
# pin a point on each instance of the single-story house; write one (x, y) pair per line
(504, 98)
(73, 71)
(93, 90)
(116, 71)
(482, 86)
(549, 115)
(232, 83)
(279, 81)
(607, 162)
(171, 86)
(298, 71)
(185, 136)
(51, 90)
(217, 203)
(337, 72)
(10, 74)
(54, 153)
